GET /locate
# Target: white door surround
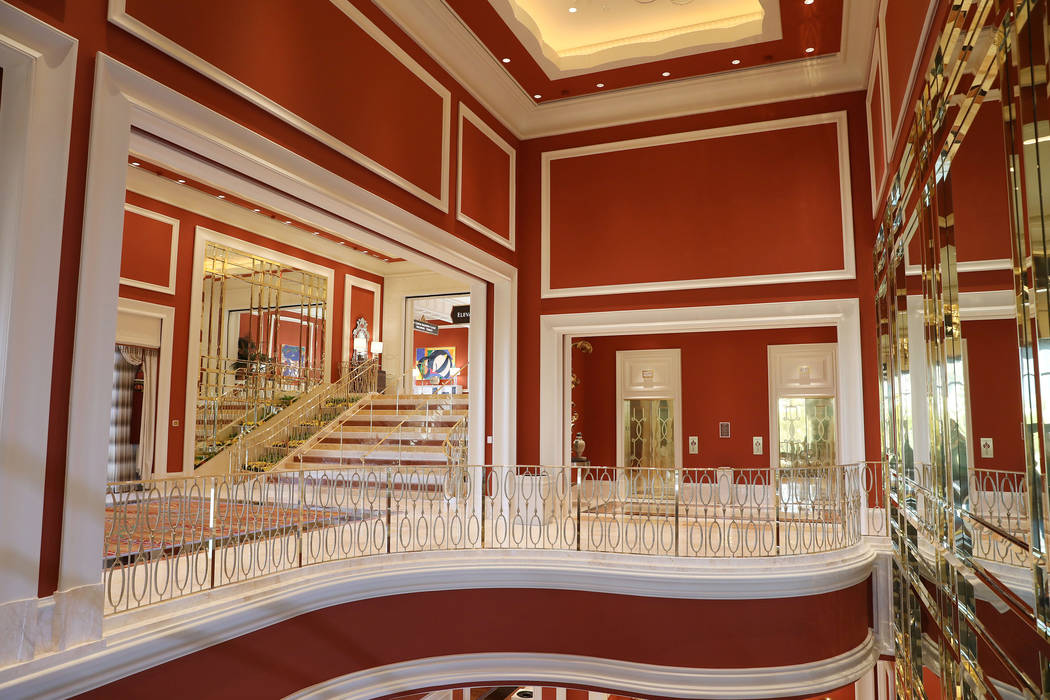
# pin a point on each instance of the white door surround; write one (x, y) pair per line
(800, 370)
(557, 331)
(664, 381)
(134, 113)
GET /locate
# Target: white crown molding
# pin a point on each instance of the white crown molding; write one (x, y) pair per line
(847, 271)
(118, 16)
(444, 36)
(173, 251)
(642, 680)
(466, 114)
(144, 638)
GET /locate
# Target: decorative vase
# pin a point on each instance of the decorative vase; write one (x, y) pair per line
(578, 445)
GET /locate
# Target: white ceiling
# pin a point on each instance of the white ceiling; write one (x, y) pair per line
(607, 33)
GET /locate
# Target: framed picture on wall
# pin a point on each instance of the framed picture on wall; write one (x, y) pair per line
(435, 363)
(291, 359)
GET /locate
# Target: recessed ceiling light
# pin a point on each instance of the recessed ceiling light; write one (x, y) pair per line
(665, 74)
(287, 221)
(181, 182)
(810, 50)
(506, 60)
(600, 85)
(736, 61)
(572, 9)
(255, 210)
(222, 196)
(135, 163)
(536, 97)
(807, 2)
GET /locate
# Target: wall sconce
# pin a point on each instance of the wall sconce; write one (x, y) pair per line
(360, 347)
(377, 347)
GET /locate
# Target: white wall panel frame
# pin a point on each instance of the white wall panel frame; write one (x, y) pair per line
(376, 329)
(465, 114)
(118, 15)
(173, 250)
(847, 271)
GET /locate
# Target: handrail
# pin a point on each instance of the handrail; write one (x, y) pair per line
(374, 447)
(455, 443)
(300, 517)
(289, 424)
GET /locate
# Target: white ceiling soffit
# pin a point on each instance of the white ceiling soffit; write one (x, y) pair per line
(628, 33)
(444, 36)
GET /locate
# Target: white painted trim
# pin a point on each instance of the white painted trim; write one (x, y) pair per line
(141, 639)
(675, 394)
(969, 266)
(465, 113)
(441, 34)
(243, 163)
(627, 677)
(118, 16)
(166, 315)
(203, 236)
(847, 271)
(843, 314)
(377, 311)
(173, 251)
(898, 113)
(878, 69)
(39, 65)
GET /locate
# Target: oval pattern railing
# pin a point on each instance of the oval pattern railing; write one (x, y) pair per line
(168, 538)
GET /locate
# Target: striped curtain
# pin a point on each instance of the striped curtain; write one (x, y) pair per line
(121, 465)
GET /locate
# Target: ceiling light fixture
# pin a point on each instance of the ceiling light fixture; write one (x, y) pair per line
(666, 74)
(181, 182)
(572, 9)
(135, 163)
(810, 50)
(536, 97)
(807, 2)
(506, 60)
(736, 61)
(255, 210)
(600, 85)
(221, 196)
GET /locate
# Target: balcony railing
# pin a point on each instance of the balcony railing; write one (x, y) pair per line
(168, 538)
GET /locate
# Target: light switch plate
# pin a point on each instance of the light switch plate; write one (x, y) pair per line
(987, 448)
(694, 444)
(756, 445)
(488, 439)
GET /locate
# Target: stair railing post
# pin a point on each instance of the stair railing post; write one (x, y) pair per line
(677, 499)
(579, 491)
(389, 504)
(299, 525)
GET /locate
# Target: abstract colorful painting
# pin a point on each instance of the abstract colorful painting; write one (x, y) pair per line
(436, 363)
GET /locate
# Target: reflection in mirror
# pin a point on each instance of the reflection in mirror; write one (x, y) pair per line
(262, 343)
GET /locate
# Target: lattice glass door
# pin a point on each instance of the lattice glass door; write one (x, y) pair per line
(649, 447)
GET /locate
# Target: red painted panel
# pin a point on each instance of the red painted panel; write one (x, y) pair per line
(324, 644)
(724, 378)
(146, 249)
(749, 204)
(362, 303)
(878, 144)
(316, 62)
(980, 189)
(904, 23)
(485, 186)
(995, 392)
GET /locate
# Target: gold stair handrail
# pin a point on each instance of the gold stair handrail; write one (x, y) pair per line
(382, 440)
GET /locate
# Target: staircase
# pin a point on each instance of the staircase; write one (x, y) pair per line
(406, 430)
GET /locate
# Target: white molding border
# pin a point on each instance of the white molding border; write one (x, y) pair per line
(465, 113)
(173, 251)
(118, 16)
(632, 678)
(967, 266)
(350, 281)
(444, 36)
(557, 329)
(166, 315)
(202, 236)
(878, 69)
(848, 270)
(256, 169)
(137, 640)
(774, 353)
(39, 64)
(897, 114)
(623, 356)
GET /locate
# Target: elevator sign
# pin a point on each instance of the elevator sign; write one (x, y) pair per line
(461, 314)
(424, 327)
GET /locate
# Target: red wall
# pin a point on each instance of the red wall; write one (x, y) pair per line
(644, 246)
(327, 643)
(995, 392)
(724, 378)
(749, 204)
(903, 27)
(145, 250)
(188, 222)
(485, 195)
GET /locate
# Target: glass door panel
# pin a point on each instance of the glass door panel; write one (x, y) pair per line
(649, 447)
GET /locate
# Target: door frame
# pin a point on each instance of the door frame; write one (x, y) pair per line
(675, 393)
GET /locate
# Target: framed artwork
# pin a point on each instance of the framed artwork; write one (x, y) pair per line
(291, 357)
(435, 363)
